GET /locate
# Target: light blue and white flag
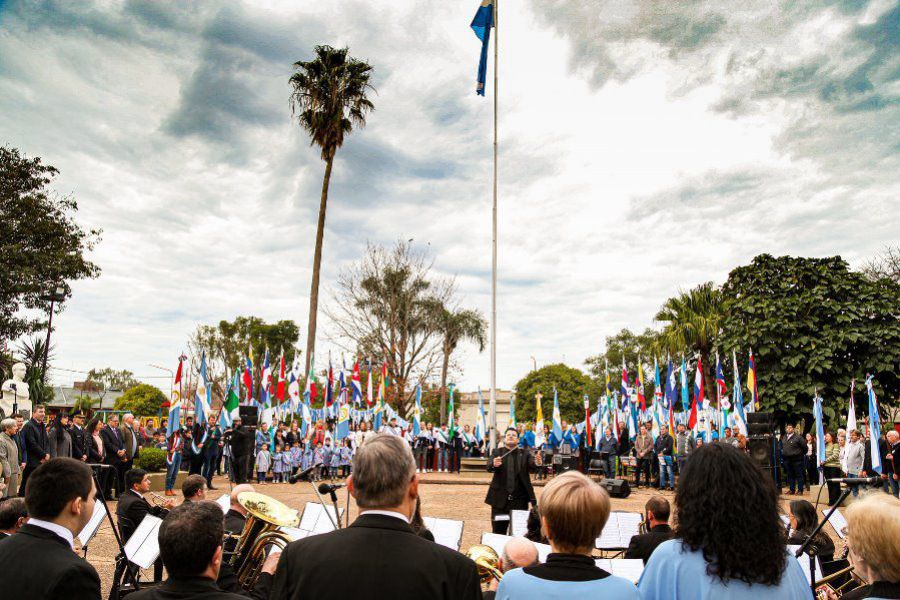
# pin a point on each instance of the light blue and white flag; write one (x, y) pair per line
(820, 429)
(740, 417)
(480, 421)
(874, 426)
(557, 418)
(417, 412)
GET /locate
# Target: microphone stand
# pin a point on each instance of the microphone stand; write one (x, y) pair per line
(325, 506)
(812, 553)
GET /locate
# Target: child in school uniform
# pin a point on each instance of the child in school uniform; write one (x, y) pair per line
(336, 462)
(296, 457)
(263, 462)
(327, 453)
(346, 457)
(318, 458)
(306, 456)
(280, 463)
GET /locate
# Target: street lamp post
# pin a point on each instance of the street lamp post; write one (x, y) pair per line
(171, 381)
(57, 295)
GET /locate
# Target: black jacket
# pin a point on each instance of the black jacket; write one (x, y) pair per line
(35, 441)
(664, 444)
(185, 588)
(112, 443)
(242, 441)
(94, 454)
(37, 564)
(80, 443)
(520, 460)
(642, 546)
(377, 556)
(131, 510)
(794, 446)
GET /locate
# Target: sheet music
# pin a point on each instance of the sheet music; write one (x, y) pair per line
(294, 533)
(142, 548)
(90, 529)
(619, 530)
(837, 521)
(627, 568)
(447, 532)
(786, 521)
(803, 559)
(315, 520)
(519, 522)
(498, 541)
(225, 502)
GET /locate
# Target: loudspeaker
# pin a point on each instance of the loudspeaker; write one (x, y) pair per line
(760, 447)
(760, 423)
(565, 463)
(617, 488)
(249, 415)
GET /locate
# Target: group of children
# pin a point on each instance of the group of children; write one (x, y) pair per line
(327, 461)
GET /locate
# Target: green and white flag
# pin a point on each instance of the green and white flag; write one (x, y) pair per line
(451, 421)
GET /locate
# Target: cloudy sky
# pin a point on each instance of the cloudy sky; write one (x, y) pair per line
(644, 148)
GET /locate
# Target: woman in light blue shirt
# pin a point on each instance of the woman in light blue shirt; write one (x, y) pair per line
(729, 542)
(573, 512)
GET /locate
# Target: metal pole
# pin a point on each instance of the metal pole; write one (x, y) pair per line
(47, 344)
(494, 247)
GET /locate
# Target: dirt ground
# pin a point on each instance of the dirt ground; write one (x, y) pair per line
(445, 496)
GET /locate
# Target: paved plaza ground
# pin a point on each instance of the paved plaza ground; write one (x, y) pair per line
(443, 495)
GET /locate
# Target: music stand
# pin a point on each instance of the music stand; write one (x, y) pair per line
(805, 546)
(120, 557)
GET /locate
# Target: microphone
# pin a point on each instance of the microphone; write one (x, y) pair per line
(329, 488)
(855, 480)
(301, 476)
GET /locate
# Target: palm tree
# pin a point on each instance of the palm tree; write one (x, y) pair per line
(328, 99)
(456, 326)
(692, 324)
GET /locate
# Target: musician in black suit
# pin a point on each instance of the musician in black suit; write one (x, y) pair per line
(38, 563)
(656, 519)
(35, 442)
(132, 509)
(379, 551)
(114, 455)
(510, 487)
(190, 543)
(13, 515)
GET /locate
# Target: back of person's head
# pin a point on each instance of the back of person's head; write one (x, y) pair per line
(12, 513)
(189, 538)
(382, 471)
(133, 477)
(519, 552)
(192, 485)
(54, 484)
(744, 542)
(660, 508)
(574, 510)
(873, 528)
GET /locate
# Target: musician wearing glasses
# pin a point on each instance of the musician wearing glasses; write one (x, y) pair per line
(510, 487)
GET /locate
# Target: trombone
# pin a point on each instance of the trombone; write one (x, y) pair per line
(824, 584)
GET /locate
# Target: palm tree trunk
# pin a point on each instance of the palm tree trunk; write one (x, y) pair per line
(444, 368)
(317, 266)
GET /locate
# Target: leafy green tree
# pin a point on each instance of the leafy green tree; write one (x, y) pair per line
(571, 385)
(41, 244)
(329, 99)
(143, 400)
(85, 404)
(113, 379)
(456, 326)
(813, 324)
(31, 352)
(692, 324)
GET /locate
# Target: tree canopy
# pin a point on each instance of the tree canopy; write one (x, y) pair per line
(142, 400)
(41, 244)
(112, 379)
(571, 385)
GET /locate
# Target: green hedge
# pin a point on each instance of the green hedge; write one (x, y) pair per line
(151, 459)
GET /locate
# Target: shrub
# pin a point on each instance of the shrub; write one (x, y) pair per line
(151, 460)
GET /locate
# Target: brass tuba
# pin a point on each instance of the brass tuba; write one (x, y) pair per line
(487, 561)
(264, 516)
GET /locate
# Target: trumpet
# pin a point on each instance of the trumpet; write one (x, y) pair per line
(157, 500)
(487, 562)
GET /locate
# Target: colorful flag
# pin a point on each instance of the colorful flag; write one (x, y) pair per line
(684, 385)
(201, 394)
(751, 384)
(417, 411)
(739, 416)
(294, 387)
(248, 375)
(697, 404)
(851, 409)
(311, 389)
(624, 388)
(587, 422)
(512, 409)
(820, 431)
(721, 398)
(451, 418)
(329, 386)
(356, 385)
(480, 422)
(265, 383)
(174, 418)
(556, 427)
(874, 426)
(538, 422)
(369, 392)
(641, 398)
(657, 383)
(279, 391)
(481, 25)
(232, 400)
(342, 429)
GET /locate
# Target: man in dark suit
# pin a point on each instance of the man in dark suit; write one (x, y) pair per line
(36, 444)
(132, 509)
(13, 515)
(236, 517)
(190, 543)
(115, 455)
(241, 442)
(510, 487)
(379, 553)
(38, 562)
(131, 442)
(80, 444)
(656, 518)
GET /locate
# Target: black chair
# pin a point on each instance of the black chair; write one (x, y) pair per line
(596, 466)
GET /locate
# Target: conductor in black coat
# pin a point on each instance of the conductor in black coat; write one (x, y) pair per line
(379, 555)
(656, 518)
(510, 487)
(38, 562)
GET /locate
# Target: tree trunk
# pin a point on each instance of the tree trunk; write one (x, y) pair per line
(317, 266)
(444, 368)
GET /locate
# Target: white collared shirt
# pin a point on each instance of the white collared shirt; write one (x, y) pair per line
(389, 513)
(57, 529)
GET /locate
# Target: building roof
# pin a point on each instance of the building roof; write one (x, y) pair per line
(65, 397)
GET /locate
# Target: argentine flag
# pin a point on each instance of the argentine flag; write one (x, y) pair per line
(874, 426)
(417, 412)
(480, 421)
(557, 419)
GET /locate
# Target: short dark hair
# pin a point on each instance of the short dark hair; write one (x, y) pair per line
(11, 510)
(134, 476)
(192, 484)
(511, 428)
(189, 537)
(54, 484)
(660, 508)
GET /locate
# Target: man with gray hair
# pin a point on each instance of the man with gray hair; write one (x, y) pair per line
(10, 467)
(379, 553)
(518, 553)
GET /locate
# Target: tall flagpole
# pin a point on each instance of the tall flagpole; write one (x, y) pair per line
(494, 248)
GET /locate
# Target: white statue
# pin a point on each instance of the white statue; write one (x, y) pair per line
(15, 390)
